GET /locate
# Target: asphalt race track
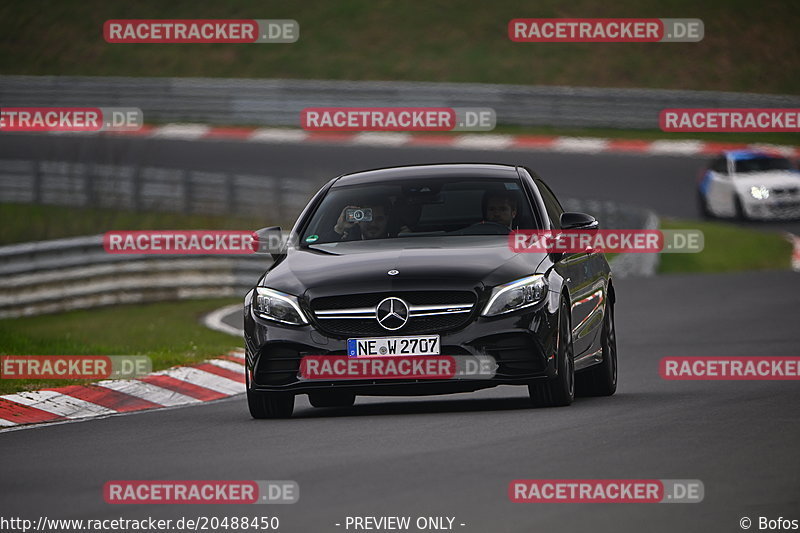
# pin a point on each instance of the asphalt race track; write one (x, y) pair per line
(455, 455)
(666, 184)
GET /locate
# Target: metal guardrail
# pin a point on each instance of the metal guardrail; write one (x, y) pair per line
(151, 189)
(189, 191)
(278, 102)
(77, 273)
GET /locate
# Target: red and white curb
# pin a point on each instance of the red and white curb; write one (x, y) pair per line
(795, 240)
(211, 380)
(473, 141)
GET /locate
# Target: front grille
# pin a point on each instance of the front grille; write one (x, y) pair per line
(372, 299)
(445, 310)
(787, 209)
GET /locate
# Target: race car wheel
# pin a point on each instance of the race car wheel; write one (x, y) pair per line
(558, 391)
(270, 404)
(702, 206)
(601, 379)
(740, 213)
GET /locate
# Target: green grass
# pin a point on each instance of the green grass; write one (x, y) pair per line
(747, 47)
(23, 222)
(167, 332)
(728, 248)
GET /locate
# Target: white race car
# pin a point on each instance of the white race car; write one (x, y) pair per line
(749, 184)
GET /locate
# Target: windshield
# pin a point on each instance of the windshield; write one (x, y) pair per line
(420, 207)
(762, 164)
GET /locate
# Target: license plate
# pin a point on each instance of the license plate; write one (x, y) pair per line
(389, 346)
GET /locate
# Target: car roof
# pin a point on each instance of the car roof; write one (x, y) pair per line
(739, 155)
(447, 170)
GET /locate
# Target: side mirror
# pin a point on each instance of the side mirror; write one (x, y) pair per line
(270, 241)
(578, 221)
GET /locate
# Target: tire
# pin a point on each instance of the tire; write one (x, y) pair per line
(601, 379)
(702, 206)
(737, 205)
(332, 399)
(558, 391)
(270, 404)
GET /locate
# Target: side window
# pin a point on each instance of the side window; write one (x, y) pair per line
(554, 208)
(720, 165)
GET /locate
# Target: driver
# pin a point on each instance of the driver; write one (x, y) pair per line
(500, 208)
(374, 227)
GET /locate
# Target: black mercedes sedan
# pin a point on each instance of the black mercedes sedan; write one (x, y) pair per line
(420, 256)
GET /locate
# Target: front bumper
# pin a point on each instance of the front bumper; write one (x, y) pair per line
(772, 210)
(522, 343)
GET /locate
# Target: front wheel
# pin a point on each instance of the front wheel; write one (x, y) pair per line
(270, 404)
(601, 379)
(558, 391)
(739, 212)
(702, 206)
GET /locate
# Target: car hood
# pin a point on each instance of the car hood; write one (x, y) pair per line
(466, 262)
(770, 180)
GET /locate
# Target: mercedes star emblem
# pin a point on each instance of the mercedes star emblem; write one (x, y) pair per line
(393, 272)
(392, 313)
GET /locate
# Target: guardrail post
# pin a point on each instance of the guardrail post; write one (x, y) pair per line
(136, 188)
(230, 194)
(88, 185)
(36, 182)
(188, 191)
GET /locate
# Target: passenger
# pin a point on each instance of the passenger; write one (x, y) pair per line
(370, 221)
(407, 215)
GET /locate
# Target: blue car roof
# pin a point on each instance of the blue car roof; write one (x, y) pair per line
(738, 155)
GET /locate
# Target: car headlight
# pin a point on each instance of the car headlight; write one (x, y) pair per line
(278, 306)
(515, 295)
(759, 193)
